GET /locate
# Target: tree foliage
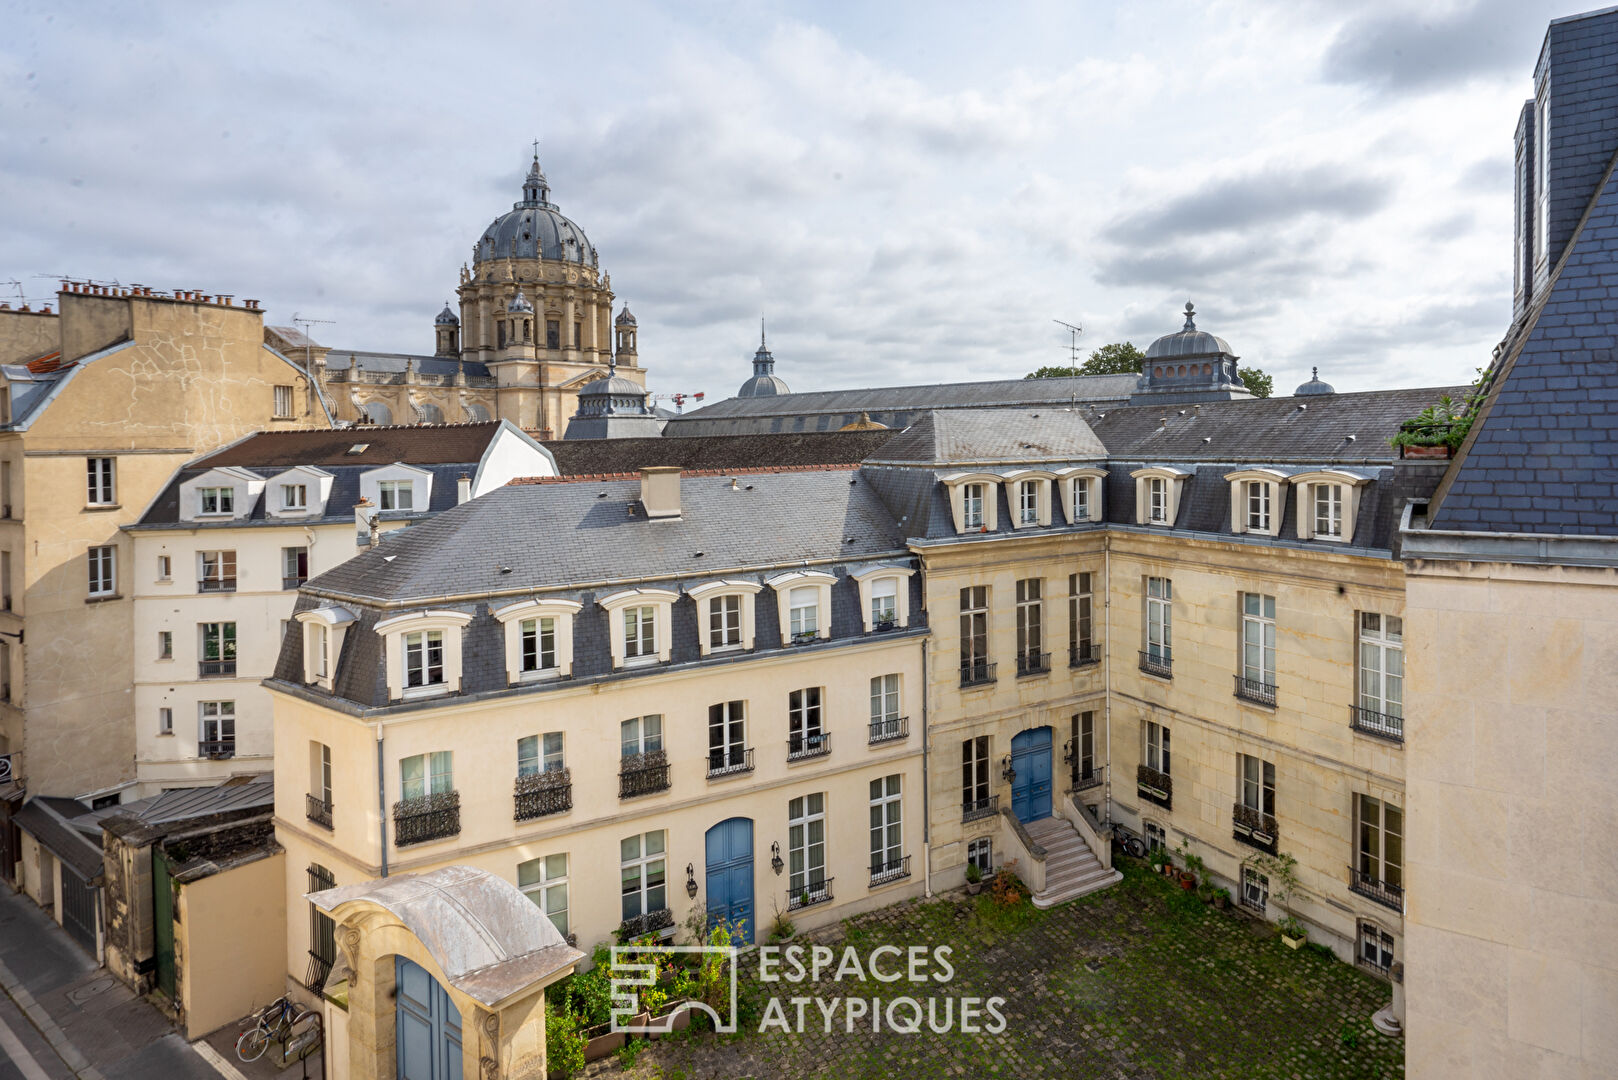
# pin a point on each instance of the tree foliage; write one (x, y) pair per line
(1118, 358)
(1258, 383)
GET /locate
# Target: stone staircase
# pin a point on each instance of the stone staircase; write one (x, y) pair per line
(1071, 868)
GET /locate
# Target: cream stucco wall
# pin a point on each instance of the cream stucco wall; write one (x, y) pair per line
(229, 940)
(1512, 966)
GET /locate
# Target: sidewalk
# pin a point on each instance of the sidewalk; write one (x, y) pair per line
(80, 1021)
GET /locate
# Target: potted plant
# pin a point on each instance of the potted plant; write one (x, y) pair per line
(1221, 898)
(1292, 932)
(1282, 871)
(974, 879)
(1194, 865)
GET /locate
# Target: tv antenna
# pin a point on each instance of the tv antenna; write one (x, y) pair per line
(1073, 333)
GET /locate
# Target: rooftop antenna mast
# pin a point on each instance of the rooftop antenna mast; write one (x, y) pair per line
(1073, 333)
(303, 323)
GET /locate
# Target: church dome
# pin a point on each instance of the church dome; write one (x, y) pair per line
(535, 229)
(625, 318)
(1188, 341)
(765, 382)
(519, 305)
(1314, 386)
(447, 317)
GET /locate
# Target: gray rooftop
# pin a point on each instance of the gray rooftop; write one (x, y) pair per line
(916, 399)
(994, 437)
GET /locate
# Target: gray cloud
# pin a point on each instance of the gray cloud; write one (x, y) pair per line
(1401, 49)
(1268, 198)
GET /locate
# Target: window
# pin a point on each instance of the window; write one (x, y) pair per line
(975, 633)
(283, 403)
(642, 871)
(424, 658)
(1542, 193)
(421, 775)
(640, 632)
(294, 496)
(1375, 947)
(218, 648)
(578, 334)
(727, 736)
(974, 775)
(165, 568)
(540, 753)
(538, 644)
(1079, 628)
(216, 500)
(887, 830)
(216, 571)
(1028, 502)
(103, 571)
(544, 881)
(294, 567)
(1156, 838)
(972, 505)
(1255, 889)
(642, 735)
(1380, 854)
(320, 772)
(320, 646)
(1258, 640)
(396, 494)
(803, 610)
(1160, 620)
(1081, 499)
(1157, 748)
(980, 853)
(884, 704)
(101, 488)
(884, 603)
(1382, 664)
(1084, 751)
(1157, 500)
(805, 735)
(322, 931)
(1030, 632)
(553, 333)
(1258, 785)
(725, 622)
(165, 721)
(1258, 506)
(1328, 511)
(165, 644)
(806, 844)
(216, 728)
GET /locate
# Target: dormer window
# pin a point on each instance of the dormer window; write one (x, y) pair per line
(1157, 500)
(320, 646)
(640, 632)
(1258, 506)
(884, 603)
(396, 495)
(803, 600)
(1081, 499)
(424, 659)
(1157, 494)
(639, 625)
(972, 505)
(539, 639)
(1029, 493)
(423, 652)
(724, 615)
(725, 622)
(216, 500)
(1328, 511)
(972, 501)
(1328, 505)
(323, 632)
(1081, 493)
(1257, 501)
(803, 610)
(1028, 502)
(294, 497)
(884, 596)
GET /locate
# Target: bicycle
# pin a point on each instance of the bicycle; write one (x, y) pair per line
(274, 1022)
(1133, 845)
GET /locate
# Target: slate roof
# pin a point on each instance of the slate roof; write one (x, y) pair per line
(185, 804)
(397, 363)
(416, 444)
(345, 492)
(50, 821)
(994, 437)
(574, 456)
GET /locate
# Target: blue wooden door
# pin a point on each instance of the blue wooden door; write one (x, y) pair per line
(1031, 790)
(730, 876)
(428, 1035)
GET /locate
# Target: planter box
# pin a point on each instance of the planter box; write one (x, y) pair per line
(1424, 451)
(1293, 942)
(609, 1041)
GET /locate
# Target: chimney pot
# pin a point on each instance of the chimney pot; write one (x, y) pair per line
(364, 524)
(463, 489)
(660, 491)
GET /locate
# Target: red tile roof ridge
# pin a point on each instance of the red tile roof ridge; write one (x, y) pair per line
(577, 478)
(44, 365)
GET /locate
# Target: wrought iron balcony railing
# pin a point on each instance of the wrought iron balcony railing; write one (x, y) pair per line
(314, 979)
(426, 817)
(218, 584)
(884, 624)
(1382, 725)
(216, 749)
(1159, 662)
(1155, 786)
(811, 745)
(1083, 654)
(1384, 893)
(1087, 777)
(289, 583)
(649, 923)
(886, 730)
(318, 811)
(816, 892)
(541, 794)
(973, 809)
(977, 672)
(1033, 663)
(893, 870)
(1257, 691)
(214, 669)
(643, 774)
(1254, 828)
(729, 762)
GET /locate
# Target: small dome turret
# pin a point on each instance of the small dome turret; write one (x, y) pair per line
(764, 383)
(520, 305)
(447, 317)
(1188, 341)
(625, 318)
(1314, 386)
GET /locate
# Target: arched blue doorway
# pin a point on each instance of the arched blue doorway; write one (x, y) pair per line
(428, 1032)
(730, 875)
(1031, 790)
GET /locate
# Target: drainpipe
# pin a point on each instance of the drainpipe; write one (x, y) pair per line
(381, 801)
(926, 816)
(1106, 673)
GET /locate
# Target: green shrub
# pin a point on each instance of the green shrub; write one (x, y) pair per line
(564, 1042)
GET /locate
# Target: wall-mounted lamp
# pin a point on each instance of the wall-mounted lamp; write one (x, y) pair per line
(1067, 752)
(1007, 773)
(775, 858)
(691, 881)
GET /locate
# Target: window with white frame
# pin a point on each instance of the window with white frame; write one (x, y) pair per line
(1258, 506)
(641, 735)
(544, 881)
(538, 638)
(643, 873)
(1160, 620)
(975, 796)
(1079, 622)
(421, 775)
(165, 568)
(1328, 511)
(216, 728)
(1157, 494)
(216, 500)
(887, 828)
(216, 571)
(803, 612)
(727, 736)
(1380, 848)
(884, 603)
(1257, 785)
(1156, 838)
(805, 728)
(103, 571)
(102, 491)
(1157, 500)
(1157, 748)
(165, 721)
(1382, 664)
(1030, 625)
(1258, 641)
(294, 566)
(640, 632)
(283, 403)
(972, 496)
(165, 644)
(396, 495)
(1255, 889)
(538, 644)
(218, 648)
(540, 753)
(724, 622)
(423, 659)
(980, 853)
(1081, 498)
(806, 845)
(294, 497)
(1084, 748)
(975, 632)
(884, 706)
(1028, 502)
(320, 649)
(320, 772)
(1374, 947)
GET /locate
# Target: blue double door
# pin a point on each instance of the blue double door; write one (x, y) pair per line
(730, 877)
(1031, 760)
(428, 1031)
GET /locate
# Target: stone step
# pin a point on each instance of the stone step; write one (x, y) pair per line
(1059, 881)
(1050, 898)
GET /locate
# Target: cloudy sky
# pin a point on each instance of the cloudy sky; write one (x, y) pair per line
(910, 192)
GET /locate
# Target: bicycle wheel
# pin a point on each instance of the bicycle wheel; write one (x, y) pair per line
(251, 1044)
(1133, 846)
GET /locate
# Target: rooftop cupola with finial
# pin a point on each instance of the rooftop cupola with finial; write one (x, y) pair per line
(764, 383)
(626, 331)
(515, 331)
(447, 329)
(1314, 386)
(1187, 366)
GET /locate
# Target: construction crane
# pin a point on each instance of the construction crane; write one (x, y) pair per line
(1073, 333)
(679, 399)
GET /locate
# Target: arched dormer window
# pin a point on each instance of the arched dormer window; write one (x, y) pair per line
(974, 501)
(423, 651)
(803, 603)
(1029, 492)
(1080, 491)
(1258, 501)
(1157, 494)
(638, 624)
(323, 632)
(1328, 504)
(539, 639)
(884, 596)
(724, 615)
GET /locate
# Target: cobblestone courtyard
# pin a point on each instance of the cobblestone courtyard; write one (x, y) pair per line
(1139, 981)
